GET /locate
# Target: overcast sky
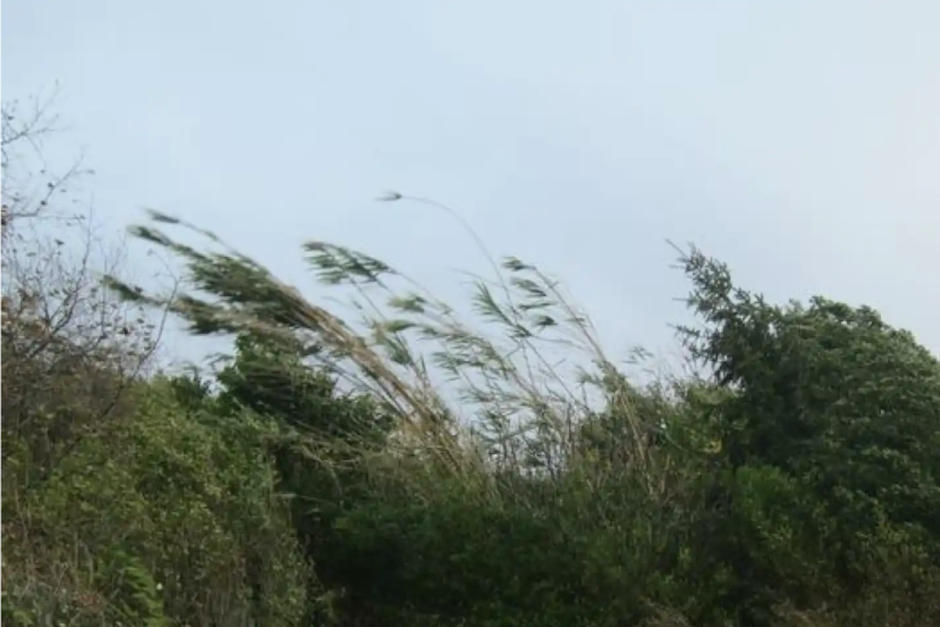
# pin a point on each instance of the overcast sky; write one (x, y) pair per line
(797, 141)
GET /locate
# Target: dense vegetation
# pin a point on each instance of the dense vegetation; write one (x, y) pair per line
(409, 468)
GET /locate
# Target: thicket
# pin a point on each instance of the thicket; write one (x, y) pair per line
(394, 464)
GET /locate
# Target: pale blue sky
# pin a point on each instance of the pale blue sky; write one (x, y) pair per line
(798, 141)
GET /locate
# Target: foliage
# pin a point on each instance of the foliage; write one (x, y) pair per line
(832, 431)
(181, 500)
(408, 467)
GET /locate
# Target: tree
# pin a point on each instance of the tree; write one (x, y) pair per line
(835, 413)
(30, 189)
(70, 347)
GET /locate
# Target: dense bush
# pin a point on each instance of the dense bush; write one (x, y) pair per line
(182, 500)
(416, 470)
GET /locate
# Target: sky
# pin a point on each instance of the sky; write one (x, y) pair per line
(797, 141)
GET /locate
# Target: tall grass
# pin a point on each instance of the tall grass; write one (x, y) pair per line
(508, 389)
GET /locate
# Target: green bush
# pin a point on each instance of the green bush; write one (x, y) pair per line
(170, 500)
(322, 478)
